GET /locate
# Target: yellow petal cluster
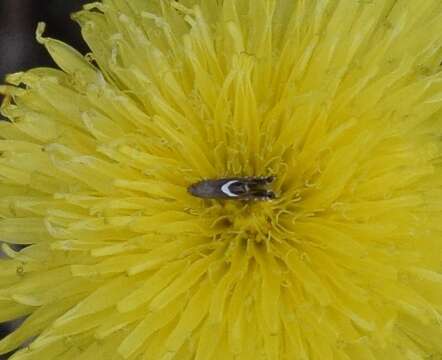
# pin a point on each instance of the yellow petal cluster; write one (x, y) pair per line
(341, 100)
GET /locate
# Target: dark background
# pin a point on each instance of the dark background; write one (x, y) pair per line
(18, 20)
(20, 51)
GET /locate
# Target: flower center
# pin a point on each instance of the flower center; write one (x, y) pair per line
(252, 221)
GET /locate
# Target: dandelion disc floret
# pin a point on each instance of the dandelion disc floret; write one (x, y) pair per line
(340, 101)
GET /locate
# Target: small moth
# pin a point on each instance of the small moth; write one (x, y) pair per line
(234, 188)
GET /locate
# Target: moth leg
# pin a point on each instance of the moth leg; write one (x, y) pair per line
(261, 194)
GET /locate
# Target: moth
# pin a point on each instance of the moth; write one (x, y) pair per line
(234, 188)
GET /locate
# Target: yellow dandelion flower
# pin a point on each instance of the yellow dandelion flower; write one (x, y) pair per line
(339, 100)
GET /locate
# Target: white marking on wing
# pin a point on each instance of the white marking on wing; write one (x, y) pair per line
(225, 188)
